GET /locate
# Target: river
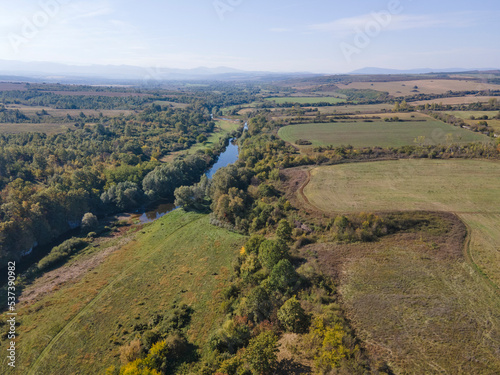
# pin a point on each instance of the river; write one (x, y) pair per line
(229, 156)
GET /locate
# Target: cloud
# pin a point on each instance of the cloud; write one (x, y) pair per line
(280, 30)
(348, 26)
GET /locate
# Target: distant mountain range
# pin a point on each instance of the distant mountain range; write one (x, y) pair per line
(127, 74)
(52, 72)
(414, 71)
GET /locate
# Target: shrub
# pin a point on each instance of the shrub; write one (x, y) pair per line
(293, 317)
(89, 222)
(261, 353)
(271, 252)
(61, 252)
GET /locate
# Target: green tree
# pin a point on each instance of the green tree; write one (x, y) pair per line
(284, 231)
(271, 252)
(293, 317)
(261, 353)
(89, 222)
(283, 277)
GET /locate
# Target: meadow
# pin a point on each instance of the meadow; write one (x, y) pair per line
(427, 86)
(79, 326)
(306, 99)
(378, 133)
(466, 115)
(455, 100)
(420, 304)
(48, 128)
(469, 188)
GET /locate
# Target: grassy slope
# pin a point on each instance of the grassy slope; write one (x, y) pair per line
(423, 314)
(377, 133)
(78, 328)
(470, 188)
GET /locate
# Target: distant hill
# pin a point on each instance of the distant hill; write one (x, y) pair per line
(371, 70)
(55, 72)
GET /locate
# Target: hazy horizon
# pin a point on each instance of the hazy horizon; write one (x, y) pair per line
(285, 36)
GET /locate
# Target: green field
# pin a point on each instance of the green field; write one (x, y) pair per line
(469, 188)
(465, 115)
(79, 327)
(378, 133)
(420, 311)
(306, 99)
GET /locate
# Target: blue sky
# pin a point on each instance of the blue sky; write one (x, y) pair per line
(327, 36)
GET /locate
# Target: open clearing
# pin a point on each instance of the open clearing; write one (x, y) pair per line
(458, 100)
(436, 86)
(465, 115)
(378, 133)
(412, 306)
(306, 99)
(48, 128)
(62, 113)
(469, 188)
(355, 109)
(179, 258)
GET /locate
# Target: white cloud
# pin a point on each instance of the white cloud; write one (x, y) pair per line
(280, 30)
(348, 26)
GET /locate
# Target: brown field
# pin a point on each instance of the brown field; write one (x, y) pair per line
(460, 100)
(48, 128)
(355, 109)
(72, 112)
(436, 86)
(99, 93)
(12, 86)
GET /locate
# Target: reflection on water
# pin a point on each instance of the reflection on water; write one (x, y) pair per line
(229, 156)
(154, 214)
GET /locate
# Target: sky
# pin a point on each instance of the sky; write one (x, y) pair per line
(319, 36)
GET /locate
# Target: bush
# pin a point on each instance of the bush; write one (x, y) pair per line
(61, 252)
(293, 317)
(261, 353)
(271, 252)
(89, 222)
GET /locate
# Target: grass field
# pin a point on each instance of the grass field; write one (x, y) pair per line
(465, 115)
(61, 113)
(77, 328)
(306, 99)
(419, 311)
(469, 188)
(356, 109)
(48, 128)
(378, 133)
(456, 100)
(435, 86)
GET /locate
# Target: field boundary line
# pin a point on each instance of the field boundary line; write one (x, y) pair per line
(48, 347)
(470, 258)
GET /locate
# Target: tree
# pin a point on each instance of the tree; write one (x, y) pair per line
(284, 231)
(261, 353)
(271, 252)
(253, 244)
(89, 222)
(293, 317)
(283, 276)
